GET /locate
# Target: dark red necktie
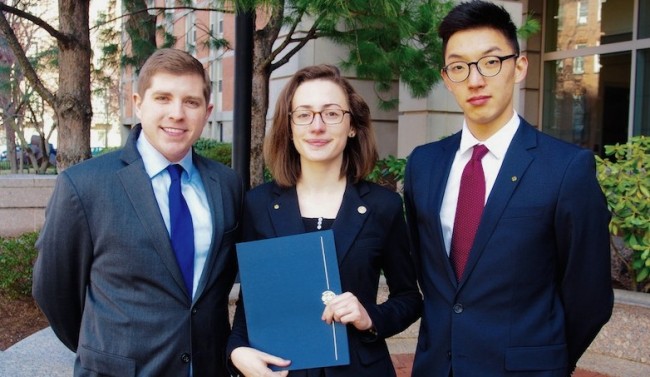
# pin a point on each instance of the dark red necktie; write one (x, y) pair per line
(471, 200)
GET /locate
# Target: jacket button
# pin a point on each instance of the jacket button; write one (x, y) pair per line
(458, 308)
(185, 357)
(449, 355)
(194, 311)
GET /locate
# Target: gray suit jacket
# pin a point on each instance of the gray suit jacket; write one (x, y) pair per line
(107, 279)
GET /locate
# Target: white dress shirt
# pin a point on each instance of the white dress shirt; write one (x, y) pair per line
(497, 145)
(194, 193)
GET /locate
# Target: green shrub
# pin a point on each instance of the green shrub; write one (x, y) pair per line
(389, 172)
(214, 150)
(17, 256)
(625, 180)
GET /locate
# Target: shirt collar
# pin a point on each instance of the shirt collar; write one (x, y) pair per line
(497, 144)
(155, 162)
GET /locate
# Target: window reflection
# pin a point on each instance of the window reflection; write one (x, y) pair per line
(642, 97)
(589, 108)
(644, 19)
(589, 23)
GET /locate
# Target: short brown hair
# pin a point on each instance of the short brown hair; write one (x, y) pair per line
(174, 61)
(281, 156)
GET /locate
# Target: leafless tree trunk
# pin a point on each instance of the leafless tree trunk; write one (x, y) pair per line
(73, 107)
(71, 102)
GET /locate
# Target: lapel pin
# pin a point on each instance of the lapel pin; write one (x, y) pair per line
(276, 206)
(362, 209)
(514, 178)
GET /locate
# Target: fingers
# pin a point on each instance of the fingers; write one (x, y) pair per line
(254, 363)
(346, 308)
(274, 360)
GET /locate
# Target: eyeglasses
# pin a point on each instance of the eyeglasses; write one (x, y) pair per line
(328, 116)
(487, 66)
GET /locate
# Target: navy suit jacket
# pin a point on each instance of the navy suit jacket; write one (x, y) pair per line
(537, 288)
(107, 279)
(370, 236)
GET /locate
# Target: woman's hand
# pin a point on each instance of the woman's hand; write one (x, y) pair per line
(254, 363)
(346, 308)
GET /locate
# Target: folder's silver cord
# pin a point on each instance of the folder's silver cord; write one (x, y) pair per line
(327, 281)
(322, 248)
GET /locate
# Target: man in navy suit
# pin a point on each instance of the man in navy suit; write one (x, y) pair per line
(532, 288)
(107, 276)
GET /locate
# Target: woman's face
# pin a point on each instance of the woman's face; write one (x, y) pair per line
(318, 142)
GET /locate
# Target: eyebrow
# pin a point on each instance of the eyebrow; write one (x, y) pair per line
(485, 53)
(170, 93)
(323, 107)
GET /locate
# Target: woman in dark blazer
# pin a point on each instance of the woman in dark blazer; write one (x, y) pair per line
(319, 149)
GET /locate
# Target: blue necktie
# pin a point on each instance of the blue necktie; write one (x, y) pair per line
(182, 231)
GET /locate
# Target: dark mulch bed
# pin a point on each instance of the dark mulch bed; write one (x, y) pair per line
(19, 318)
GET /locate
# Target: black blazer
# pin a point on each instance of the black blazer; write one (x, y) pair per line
(108, 281)
(370, 236)
(536, 289)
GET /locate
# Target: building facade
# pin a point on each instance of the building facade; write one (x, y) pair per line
(587, 81)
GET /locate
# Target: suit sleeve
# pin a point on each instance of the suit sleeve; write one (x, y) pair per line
(63, 264)
(582, 232)
(411, 216)
(239, 334)
(404, 304)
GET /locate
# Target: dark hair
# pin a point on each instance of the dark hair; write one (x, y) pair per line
(478, 14)
(281, 156)
(172, 61)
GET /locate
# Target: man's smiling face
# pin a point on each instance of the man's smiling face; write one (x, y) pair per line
(173, 113)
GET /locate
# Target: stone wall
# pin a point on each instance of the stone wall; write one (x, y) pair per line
(23, 199)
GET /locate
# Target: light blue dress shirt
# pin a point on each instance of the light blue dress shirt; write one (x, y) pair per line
(192, 187)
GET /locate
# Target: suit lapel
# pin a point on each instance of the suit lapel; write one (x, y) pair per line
(284, 212)
(438, 184)
(137, 186)
(286, 218)
(212, 189)
(350, 218)
(515, 164)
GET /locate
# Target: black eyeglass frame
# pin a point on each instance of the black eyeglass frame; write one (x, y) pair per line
(469, 66)
(313, 116)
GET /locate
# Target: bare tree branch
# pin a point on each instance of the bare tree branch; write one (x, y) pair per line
(62, 38)
(28, 69)
(311, 34)
(161, 9)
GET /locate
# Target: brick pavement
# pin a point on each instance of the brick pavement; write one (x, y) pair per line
(404, 362)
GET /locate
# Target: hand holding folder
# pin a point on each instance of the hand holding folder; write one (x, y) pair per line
(284, 282)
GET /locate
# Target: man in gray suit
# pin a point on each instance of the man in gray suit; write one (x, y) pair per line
(107, 275)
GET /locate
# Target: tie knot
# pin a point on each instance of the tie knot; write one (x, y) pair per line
(479, 152)
(175, 171)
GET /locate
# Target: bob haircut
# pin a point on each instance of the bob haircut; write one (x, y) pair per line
(478, 14)
(170, 60)
(360, 153)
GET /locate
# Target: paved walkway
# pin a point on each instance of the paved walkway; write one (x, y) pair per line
(43, 355)
(404, 362)
(620, 350)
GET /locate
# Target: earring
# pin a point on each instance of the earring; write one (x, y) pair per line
(351, 134)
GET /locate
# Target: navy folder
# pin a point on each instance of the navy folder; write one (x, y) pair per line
(282, 281)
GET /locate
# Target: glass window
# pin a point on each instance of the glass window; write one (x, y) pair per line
(578, 65)
(570, 23)
(644, 19)
(642, 97)
(583, 12)
(588, 109)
